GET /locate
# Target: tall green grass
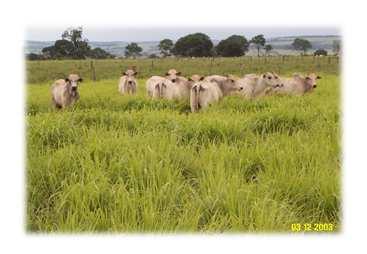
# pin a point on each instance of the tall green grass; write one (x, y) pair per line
(117, 163)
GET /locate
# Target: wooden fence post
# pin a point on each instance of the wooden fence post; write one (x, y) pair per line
(93, 70)
(211, 65)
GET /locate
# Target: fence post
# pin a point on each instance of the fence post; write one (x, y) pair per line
(93, 70)
(152, 65)
(211, 66)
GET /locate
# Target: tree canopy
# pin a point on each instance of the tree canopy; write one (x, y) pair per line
(268, 48)
(235, 45)
(302, 45)
(133, 50)
(197, 45)
(165, 46)
(320, 52)
(72, 46)
(259, 42)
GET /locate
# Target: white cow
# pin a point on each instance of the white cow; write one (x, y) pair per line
(162, 88)
(211, 90)
(64, 92)
(227, 84)
(253, 86)
(128, 82)
(203, 94)
(299, 85)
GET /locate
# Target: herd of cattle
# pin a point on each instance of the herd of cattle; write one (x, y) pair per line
(199, 90)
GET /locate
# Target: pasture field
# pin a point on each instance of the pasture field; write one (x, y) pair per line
(114, 163)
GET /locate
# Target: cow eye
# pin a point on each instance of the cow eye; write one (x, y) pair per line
(269, 77)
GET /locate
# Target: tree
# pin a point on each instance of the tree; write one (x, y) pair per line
(153, 56)
(268, 48)
(197, 45)
(33, 56)
(301, 44)
(235, 45)
(320, 52)
(72, 45)
(98, 53)
(49, 52)
(73, 35)
(166, 46)
(259, 42)
(133, 49)
(336, 47)
(64, 48)
(81, 46)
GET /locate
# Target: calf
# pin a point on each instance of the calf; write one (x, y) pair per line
(203, 94)
(299, 85)
(64, 92)
(252, 86)
(227, 84)
(162, 88)
(128, 82)
(182, 84)
(211, 90)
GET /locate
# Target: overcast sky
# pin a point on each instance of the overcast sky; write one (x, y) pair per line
(156, 33)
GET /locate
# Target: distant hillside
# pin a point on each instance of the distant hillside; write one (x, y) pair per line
(281, 45)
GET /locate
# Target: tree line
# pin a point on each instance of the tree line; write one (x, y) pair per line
(73, 46)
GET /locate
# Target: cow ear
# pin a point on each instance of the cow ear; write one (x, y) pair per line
(135, 73)
(67, 80)
(264, 76)
(178, 73)
(318, 77)
(80, 80)
(166, 74)
(201, 78)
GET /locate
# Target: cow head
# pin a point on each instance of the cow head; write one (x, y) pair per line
(73, 81)
(196, 78)
(172, 75)
(229, 84)
(311, 80)
(272, 80)
(130, 75)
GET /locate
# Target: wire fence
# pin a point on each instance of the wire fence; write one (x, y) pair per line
(94, 70)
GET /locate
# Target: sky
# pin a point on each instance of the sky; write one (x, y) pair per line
(159, 33)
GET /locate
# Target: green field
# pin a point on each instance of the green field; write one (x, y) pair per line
(117, 163)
